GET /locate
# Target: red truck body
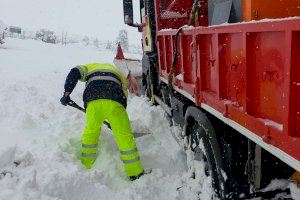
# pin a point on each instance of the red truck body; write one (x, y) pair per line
(246, 74)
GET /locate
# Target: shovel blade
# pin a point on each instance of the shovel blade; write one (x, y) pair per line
(137, 135)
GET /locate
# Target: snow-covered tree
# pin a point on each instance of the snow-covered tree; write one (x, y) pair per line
(23, 35)
(64, 36)
(3, 29)
(86, 40)
(109, 45)
(46, 36)
(96, 43)
(123, 39)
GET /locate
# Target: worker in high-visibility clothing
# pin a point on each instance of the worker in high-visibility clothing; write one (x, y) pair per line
(105, 98)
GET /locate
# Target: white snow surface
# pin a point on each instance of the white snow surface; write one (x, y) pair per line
(44, 136)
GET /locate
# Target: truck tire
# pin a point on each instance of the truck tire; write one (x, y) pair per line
(200, 137)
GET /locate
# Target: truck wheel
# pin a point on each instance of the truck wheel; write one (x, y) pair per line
(201, 139)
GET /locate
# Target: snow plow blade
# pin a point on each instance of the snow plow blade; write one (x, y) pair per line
(133, 65)
(137, 135)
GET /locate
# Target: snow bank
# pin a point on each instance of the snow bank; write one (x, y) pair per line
(40, 139)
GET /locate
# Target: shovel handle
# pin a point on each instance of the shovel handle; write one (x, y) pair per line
(75, 105)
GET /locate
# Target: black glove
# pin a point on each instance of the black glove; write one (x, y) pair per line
(65, 100)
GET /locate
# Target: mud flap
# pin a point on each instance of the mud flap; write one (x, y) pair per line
(296, 178)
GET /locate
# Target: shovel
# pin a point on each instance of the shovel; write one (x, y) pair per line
(75, 105)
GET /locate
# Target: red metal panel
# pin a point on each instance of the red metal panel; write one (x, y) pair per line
(250, 122)
(185, 67)
(172, 13)
(188, 71)
(211, 100)
(179, 63)
(169, 52)
(294, 120)
(249, 72)
(265, 64)
(161, 53)
(208, 44)
(185, 70)
(232, 68)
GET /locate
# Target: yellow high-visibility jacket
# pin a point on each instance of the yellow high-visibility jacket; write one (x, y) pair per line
(103, 81)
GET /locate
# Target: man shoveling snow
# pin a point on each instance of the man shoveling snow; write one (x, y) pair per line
(105, 98)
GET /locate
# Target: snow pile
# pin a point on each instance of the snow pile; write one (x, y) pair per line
(40, 139)
(295, 192)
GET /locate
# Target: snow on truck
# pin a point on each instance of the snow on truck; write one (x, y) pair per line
(228, 72)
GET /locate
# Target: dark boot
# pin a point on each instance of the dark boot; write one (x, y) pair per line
(132, 178)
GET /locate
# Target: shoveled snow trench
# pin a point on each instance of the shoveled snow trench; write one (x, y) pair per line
(40, 138)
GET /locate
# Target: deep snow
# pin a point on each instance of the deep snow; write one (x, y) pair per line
(44, 136)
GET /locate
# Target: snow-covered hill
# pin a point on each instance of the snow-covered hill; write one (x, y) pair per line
(40, 138)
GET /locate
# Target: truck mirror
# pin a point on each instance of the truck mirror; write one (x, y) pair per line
(128, 12)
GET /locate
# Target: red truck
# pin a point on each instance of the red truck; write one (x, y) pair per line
(227, 72)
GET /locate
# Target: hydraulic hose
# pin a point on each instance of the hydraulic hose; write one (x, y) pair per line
(175, 55)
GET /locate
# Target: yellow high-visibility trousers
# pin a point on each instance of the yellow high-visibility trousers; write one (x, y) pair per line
(103, 109)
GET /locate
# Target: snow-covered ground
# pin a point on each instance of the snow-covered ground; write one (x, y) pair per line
(40, 138)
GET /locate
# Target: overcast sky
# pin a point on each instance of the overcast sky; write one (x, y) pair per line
(99, 18)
